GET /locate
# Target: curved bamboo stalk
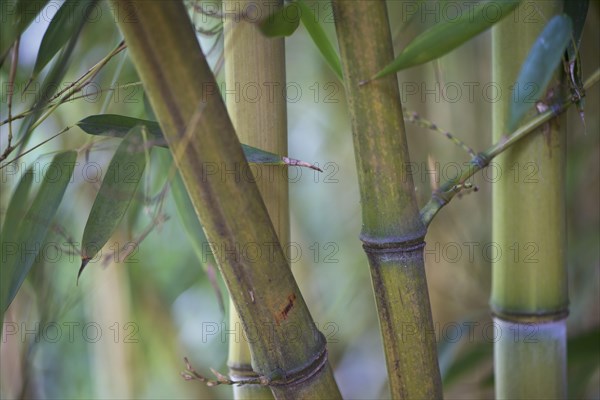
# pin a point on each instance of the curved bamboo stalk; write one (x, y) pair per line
(185, 97)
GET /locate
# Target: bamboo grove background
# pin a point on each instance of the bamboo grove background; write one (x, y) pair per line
(159, 307)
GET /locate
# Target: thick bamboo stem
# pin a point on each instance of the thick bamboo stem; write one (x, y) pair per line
(392, 234)
(529, 287)
(192, 115)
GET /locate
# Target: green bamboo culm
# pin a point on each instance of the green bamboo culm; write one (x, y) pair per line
(529, 289)
(256, 62)
(392, 233)
(190, 110)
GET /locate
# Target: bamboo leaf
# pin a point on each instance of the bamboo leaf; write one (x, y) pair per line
(311, 23)
(52, 81)
(148, 108)
(282, 22)
(536, 72)
(16, 17)
(18, 204)
(119, 125)
(21, 245)
(577, 10)
(118, 188)
(190, 221)
(449, 34)
(63, 26)
(47, 89)
(195, 233)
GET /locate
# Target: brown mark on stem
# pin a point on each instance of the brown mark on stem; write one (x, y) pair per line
(286, 310)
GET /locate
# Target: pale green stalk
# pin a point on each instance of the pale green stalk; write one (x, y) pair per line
(529, 289)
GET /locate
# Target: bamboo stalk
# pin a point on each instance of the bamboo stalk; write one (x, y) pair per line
(192, 115)
(254, 66)
(392, 233)
(529, 288)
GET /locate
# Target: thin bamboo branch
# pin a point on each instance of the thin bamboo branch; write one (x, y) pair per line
(449, 189)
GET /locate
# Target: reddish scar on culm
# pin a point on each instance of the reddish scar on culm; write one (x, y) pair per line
(286, 310)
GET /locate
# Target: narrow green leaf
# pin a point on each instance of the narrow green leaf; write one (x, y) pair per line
(21, 245)
(541, 62)
(52, 81)
(16, 17)
(18, 204)
(189, 220)
(282, 22)
(310, 22)
(148, 108)
(195, 233)
(116, 191)
(119, 125)
(449, 34)
(577, 10)
(64, 25)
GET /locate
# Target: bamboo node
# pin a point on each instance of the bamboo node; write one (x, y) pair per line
(305, 372)
(532, 317)
(278, 377)
(481, 160)
(405, 244)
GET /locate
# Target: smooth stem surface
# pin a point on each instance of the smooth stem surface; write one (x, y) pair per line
(529, 208)
(529, 279)
(530, 360)
(392, 234)
(185, 97)
(254, 61)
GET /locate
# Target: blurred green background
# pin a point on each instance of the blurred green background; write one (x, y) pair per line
(124, 330)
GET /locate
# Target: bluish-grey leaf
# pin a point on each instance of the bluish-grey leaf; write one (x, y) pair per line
(539, 66)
